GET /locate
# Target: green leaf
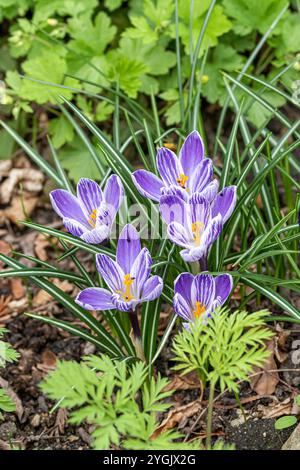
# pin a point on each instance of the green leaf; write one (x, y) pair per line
(77, 160)
(285, 422)
(50, 68)
(223, 57)
(61, 131)
(113, 4)
(6, 403)
(7, 144)
(218, 25)
(126, 72)
(91, 38)
(248, 16)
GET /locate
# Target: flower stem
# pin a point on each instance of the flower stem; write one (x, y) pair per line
(210, 415)
(203, 263)
(136, 336)
(135, 324)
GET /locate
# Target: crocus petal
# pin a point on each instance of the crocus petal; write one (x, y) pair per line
(183, 285)
(129, 246)
(140, 271)
(212, 231)
(121, 304)
(148, 184)
(190, 255)
(168, 166)
(97, 235)
(201, 176)
(224, 203)
(224, 283)
(192, 152)
(67, 206)
(152, 288)
(89, 195)
(181, 307)
(113, 194)
(178, 234)
(104, 215)
(111, 272)
(200, 209)
(173, 190)
(203, 290)
(95, 298)
(173, 209)
(210, 191)
(74, 227)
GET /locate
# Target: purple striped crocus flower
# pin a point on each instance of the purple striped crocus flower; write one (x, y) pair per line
(195, 224)
(91, 214)
(199, 296)
(128, 278)
(185, 175)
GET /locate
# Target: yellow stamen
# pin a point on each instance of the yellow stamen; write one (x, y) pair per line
(92, 218)
(200, 309)
(196, 229)
(182, 179)
(170, 145)
(127, 281)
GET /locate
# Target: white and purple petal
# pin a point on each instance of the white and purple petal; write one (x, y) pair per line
(178, 234)
(113, 195)
(121, 304)
(140, 271)
(202, 176)
(129, 246)
(89, 195)
(192, 254)
(192, 152)
(67, 206)
(95, 298)
(199, 209)
(74, 227)
(203, 290)
(173, 209)
(181, 307)
(212, 231)
(183, 285)
(211, 190)
(148, 184)
(96, 235)
(224, 203)
(224, 284)
(152, 288)
(111, 272)
(168, 166)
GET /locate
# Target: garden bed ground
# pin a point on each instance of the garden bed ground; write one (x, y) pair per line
(33, 426)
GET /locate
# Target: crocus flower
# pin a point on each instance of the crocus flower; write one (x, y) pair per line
(91, 214)
(128, 278)
(186, 174)
(196, 224)
(199, 296)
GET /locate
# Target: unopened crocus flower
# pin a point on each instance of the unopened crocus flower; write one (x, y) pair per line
(91, 214)
(196, 224)
(199, 296)
(189, 173)
(128, 278)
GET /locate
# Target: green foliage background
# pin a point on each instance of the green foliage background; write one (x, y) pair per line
(92, 46)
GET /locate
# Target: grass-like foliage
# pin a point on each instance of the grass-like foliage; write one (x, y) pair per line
(7, 354)
(116, 398)
(225, 349)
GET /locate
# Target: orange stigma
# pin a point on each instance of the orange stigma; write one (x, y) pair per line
(196, 229)
(92, 218)
(182, 179)
(200, 309)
